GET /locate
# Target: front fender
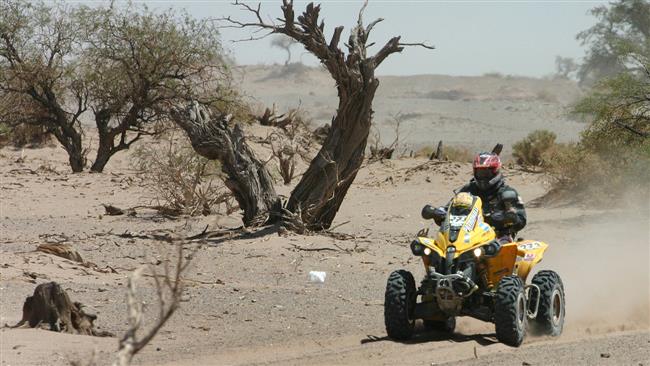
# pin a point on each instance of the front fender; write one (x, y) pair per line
(431, 244)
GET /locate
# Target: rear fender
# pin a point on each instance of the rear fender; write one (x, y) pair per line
(529, 253)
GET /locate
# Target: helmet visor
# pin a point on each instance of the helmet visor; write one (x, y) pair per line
(484, 173)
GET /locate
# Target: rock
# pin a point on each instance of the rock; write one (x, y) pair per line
(605, 355)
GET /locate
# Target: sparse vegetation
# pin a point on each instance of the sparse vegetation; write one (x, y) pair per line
(546, 96)
(613, 153)
(24, 135)
(449, 153)
(380, 152)
(182, 182)
(293, 140)
(531, 150)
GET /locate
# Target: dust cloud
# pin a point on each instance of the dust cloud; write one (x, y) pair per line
(604, 262)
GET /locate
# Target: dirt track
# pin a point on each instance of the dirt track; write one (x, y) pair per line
(249, 301)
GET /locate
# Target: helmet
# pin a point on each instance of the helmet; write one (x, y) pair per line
(461, 203)
(462, 199)
(487, 170)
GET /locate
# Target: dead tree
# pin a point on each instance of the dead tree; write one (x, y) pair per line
(248, 178)
(322, 188)
(169, 289)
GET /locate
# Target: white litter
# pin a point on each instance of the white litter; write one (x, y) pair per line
(317, 276)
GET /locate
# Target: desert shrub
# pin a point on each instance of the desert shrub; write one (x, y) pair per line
(497, 75)
(546, 96)
(424, 152)
(453, 94)
(580, 172)
(449, 153)
(530, 151)
(182, 182)
(24, 135)
(457, 153)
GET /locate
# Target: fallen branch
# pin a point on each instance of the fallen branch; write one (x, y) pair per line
(313, 249)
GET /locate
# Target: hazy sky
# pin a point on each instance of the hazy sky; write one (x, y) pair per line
(471, 37)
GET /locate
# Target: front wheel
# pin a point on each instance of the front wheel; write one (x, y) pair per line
(550, 313)
(510, 309)
(399, 305)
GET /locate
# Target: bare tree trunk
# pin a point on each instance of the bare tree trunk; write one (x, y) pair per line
(71, 141)
(248, 179)
(323, 187)
(320, 192)
(107, 147)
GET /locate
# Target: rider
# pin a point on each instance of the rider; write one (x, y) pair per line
(502, 206)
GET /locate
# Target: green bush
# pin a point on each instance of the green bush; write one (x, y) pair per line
(530, 151)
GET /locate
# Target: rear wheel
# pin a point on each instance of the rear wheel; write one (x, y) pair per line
(550, 313)
(510, 316)
(399, 305)
(446, 326)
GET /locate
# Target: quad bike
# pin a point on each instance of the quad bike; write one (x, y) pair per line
(471, 273)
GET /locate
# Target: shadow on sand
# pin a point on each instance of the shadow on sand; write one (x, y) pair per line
(424, 336)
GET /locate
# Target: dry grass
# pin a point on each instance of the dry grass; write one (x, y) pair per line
(182, 181)
(24, 135)
(449, 153)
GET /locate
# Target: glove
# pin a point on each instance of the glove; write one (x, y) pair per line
(439, 215)
(497, 218)
(511, 218)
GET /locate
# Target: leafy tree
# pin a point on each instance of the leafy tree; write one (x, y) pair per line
(620, 25)
(565, 67)
(38, 81)
(285, 43)
(126, 65)
(138, 63)
(614, 149)
(619, 104)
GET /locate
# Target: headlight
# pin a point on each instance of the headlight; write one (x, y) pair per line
(478, 252)
(417, 248)
(427, 251)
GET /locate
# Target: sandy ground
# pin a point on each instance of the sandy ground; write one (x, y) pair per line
(472, 112)
(248, 300)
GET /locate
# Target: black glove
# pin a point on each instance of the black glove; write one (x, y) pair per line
(511, 218)
(497, 218)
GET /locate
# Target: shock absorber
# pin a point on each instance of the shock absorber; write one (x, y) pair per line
(482, 274)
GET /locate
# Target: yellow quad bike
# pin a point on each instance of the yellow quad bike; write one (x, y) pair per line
(469, 273)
